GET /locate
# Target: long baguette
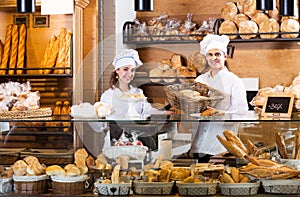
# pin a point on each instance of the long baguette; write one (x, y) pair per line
(60, 63)
(230, 136)
(1, 51)
(52, 55)
(6, 51)
(21, 48)
(281, 145)
(232, 147)
(14, 49)
(68, 53)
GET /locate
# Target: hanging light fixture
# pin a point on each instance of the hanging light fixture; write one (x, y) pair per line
(25, 6)
(143, 5)
(287, 7)
(265, 4)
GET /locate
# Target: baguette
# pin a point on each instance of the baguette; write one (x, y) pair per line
(14, 49)
(68, 53)
(6, 51)
(60, 63)
(232, 147)
(281, 145)
(1, 51)
(21, 48)
(115, 174)
(230, 136)
(53, 52)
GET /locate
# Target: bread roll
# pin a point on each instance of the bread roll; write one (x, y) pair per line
(6, 51)
(34, 166)
(72, 170)
(14, 49)
(289, 25)
(268, 26)
(20, 168)
(21, 48)
(229, 11)
(248, 28)
(229, 27)
(55, 170)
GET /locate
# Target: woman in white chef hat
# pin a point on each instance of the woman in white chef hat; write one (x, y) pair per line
(204, 142)
(125, 65)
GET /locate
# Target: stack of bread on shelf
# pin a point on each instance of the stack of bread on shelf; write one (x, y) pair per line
(279, 90)
(243, 20)
(12, 51)
(57, 55)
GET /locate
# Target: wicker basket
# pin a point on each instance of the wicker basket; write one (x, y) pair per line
(239, 189)
(134, 152)
(33, 113)
(194, 189)
(75, 185)
(190, 105)
(9, 156)
(30, 184)
(6, 185)
(120, 189)
(283, 186)
(153, 188)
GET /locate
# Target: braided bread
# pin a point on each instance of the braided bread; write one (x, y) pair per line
(6, 51)
(14, 49)
(21, 48)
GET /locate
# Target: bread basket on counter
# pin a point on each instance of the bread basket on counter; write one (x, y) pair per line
(209, 97)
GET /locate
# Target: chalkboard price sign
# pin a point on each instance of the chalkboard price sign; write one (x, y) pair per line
(278, 106)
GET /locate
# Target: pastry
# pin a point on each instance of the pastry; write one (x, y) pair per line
(229, 11)
(268, 26)
(14, 49)
(248, 29)
(21, 48)
(229, 27)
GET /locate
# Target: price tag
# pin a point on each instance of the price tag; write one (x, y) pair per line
(278, 106)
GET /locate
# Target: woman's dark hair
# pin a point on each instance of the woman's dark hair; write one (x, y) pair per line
(113, 79)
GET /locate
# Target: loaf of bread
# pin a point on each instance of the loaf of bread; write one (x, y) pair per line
(115, 174)
(289, 25)
(281, 145)
(68, 53)
(198, 61)
(274, 14)
(14, 49)
(6, 51)
(21, 48)
(259, 17)
(55, 170)
(229, 11)
(231, 147)
(53, 52)
(20, 168)
(34, 166)
(1, 50)
(249, 8)
(72, 170)
(231, 136)
(240, 17)
(268, 26)
(61, 56)
(248, 29)
(80, 156)
(229, 27)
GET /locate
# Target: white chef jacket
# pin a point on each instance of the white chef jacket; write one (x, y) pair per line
(204, 135)
(120, 106)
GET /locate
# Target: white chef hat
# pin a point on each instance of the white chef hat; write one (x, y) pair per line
(211, 41)
(127, 57)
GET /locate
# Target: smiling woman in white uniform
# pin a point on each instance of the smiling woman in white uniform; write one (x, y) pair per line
(204, 142)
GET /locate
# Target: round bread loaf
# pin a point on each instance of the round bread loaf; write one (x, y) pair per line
(268, 26)
(229, 27)
(198, 61)
(274, 14)
(55, 170)
(259, 17)
(289, 25)
(248, 27)
(229, 11)
(240, 17)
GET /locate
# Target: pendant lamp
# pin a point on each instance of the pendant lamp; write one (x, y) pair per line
(287, 8)
(25, 6)
(265, 4)
(143, 5)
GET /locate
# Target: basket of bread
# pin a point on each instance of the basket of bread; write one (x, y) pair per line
(6, 181)
(192, 97)
(72, 178)
(29, 176)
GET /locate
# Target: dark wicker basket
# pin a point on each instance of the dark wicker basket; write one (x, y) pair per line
(211, 97)
(69, 188)
(31, 187)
